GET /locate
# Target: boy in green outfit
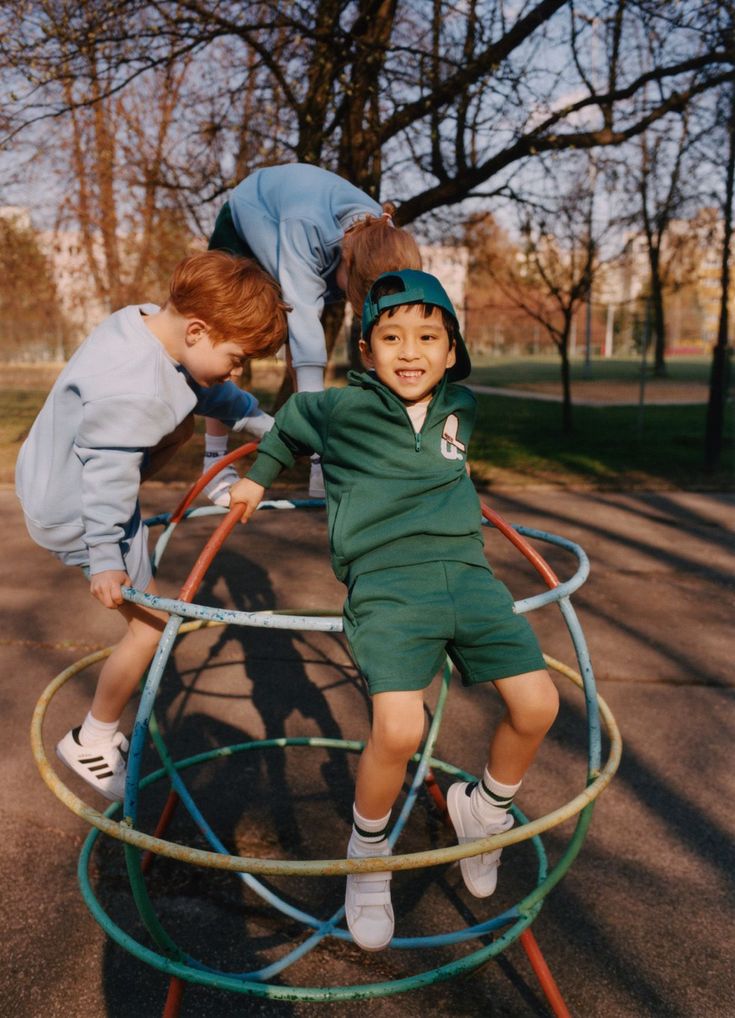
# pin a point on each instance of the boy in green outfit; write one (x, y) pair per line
(404, 532)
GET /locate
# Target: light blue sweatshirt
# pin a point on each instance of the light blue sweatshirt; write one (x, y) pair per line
(294, 218)
(78, 472)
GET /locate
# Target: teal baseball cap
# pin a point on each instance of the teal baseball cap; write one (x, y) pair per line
(415, 287)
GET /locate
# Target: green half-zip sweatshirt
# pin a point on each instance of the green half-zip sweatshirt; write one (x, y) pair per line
(394, 496)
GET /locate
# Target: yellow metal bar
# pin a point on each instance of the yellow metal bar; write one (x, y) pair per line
(123, 831)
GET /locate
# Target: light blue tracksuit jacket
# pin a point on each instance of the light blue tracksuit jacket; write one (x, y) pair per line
(293, 218)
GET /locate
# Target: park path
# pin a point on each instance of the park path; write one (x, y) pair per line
(615, 393)
(642, 924)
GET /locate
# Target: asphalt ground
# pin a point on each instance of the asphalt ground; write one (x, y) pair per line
(641, 925)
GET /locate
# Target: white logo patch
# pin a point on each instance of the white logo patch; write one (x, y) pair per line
(451, 446)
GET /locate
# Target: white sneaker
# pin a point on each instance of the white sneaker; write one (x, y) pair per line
(367, 902)
(218, 489)
(101, 764)
(480, 872)
(316, 479)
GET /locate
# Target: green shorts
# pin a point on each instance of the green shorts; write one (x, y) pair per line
(226, 238)
(401, 622)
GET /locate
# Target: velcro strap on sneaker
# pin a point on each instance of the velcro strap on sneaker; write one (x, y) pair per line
(363, 898)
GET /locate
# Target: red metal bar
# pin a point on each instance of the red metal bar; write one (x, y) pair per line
(527, 939)
(173, 998)
(537, 561)
(163, 821)
(209, 550)
(437, 795)
(207, 476)
(187, 593)
(543, 974)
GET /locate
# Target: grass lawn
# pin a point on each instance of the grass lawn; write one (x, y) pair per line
(520, 442)
(520, 371)
(516, 441)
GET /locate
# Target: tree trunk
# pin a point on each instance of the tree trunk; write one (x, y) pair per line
(567, 423)
(659, 325)
(719, 371)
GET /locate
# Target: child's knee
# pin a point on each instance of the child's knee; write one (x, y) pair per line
(146, 639)
(146, 629)
(533, 713)
(548, 706)
(398, 736)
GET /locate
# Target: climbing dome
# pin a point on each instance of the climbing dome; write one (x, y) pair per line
(122, 821)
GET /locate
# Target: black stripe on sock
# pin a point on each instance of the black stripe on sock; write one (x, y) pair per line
(370, 835)
(499, 800)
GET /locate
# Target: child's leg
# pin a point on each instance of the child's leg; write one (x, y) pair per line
(531, 703)
(128, 661)
(216, 437)
(480, 809)
(397, 727)
(94, 750)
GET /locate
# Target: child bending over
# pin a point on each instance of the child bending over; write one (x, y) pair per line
(117, 413)
(404, 530)
(323, 239)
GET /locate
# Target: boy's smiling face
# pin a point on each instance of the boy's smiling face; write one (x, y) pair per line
(409, 352)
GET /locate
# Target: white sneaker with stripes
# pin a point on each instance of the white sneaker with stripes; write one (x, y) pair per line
(101, 764)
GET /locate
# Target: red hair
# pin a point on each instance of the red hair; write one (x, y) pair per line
(236, 299)
(376, 246)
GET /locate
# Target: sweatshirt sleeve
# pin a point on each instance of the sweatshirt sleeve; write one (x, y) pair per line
(299, 429)
(225, 402)
(111, 469)
(300, 259)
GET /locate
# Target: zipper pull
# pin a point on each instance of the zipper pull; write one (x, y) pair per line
(418, 441)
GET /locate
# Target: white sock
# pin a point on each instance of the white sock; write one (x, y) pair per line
(309, 378)
(215, 447)
(367, 834)
(491, 799)
(93, 730)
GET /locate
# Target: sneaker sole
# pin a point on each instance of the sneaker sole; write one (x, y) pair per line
(370, 947)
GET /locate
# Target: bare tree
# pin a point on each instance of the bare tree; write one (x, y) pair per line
(111, 158)
(719, 374)
(434, 101)
(659, 180)
(554, 268)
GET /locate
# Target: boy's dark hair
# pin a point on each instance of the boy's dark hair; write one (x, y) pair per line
(237, 299)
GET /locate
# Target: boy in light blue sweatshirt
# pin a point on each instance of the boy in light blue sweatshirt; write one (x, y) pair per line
(117, 413)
